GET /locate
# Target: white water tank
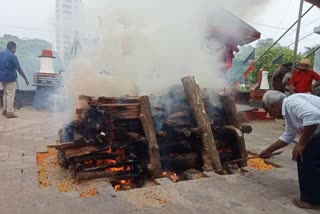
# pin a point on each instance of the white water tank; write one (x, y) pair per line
(46, 62)
(264, 81)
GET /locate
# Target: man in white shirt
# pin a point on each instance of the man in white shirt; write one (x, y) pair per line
(302, 115)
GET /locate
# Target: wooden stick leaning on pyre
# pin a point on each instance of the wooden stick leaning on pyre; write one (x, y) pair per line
(230, 108)
(210, 155)
(154, 166)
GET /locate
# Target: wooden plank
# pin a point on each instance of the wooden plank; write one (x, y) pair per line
(75, 152)
(210, 155)
(110, 100)
(154, 166)
(67, 145)
(127, 106)
(99, 174)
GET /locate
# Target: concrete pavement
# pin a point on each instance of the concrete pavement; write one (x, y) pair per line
(255, 192)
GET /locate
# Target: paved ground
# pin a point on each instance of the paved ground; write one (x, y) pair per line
(255, 192)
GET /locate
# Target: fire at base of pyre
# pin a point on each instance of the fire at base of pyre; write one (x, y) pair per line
(190, 174)
(107, 141)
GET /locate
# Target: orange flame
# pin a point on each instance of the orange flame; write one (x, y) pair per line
(174, 177)
(117, 187)
(122, 183)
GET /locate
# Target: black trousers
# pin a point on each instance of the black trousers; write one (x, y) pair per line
(309, 172)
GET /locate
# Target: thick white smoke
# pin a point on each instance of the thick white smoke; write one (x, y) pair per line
(244, 8)
(146, 46)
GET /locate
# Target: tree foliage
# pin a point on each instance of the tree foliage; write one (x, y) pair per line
(309, 51)
(28, 51)
(265, 62)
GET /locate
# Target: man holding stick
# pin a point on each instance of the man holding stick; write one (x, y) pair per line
(302, 116)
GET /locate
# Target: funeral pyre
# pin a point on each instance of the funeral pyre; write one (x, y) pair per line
(129, 139)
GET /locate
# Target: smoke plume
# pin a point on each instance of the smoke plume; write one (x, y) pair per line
(146, 46)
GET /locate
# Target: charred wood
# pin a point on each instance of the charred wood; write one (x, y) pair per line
(176, 148)
(118, 100)
(128, 164)
(95, 156)
(69, 145)
(234, 130)
(181, 162)
(70, 153)
(98, 174)
(62, 160)
(230, 108)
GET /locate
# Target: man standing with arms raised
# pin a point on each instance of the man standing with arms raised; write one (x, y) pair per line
(9, 65)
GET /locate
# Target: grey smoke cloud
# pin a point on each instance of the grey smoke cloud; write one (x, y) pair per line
(147, 46)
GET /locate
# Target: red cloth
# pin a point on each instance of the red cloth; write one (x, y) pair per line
(302, 81)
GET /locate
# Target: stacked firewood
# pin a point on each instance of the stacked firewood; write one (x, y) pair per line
(179, 135)
(107, 140)
(133, 138)
(180, 142)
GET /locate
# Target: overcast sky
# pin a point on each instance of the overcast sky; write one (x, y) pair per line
(36, 19)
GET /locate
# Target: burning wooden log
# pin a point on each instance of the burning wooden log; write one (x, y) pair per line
(69, 145)
(70, 153)
(107, 131)
(116, 166)
(116, 137)
(210, 155)
(230, 108)
(154, 166)
(66, 145)
(95, 156)
(98, 174)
